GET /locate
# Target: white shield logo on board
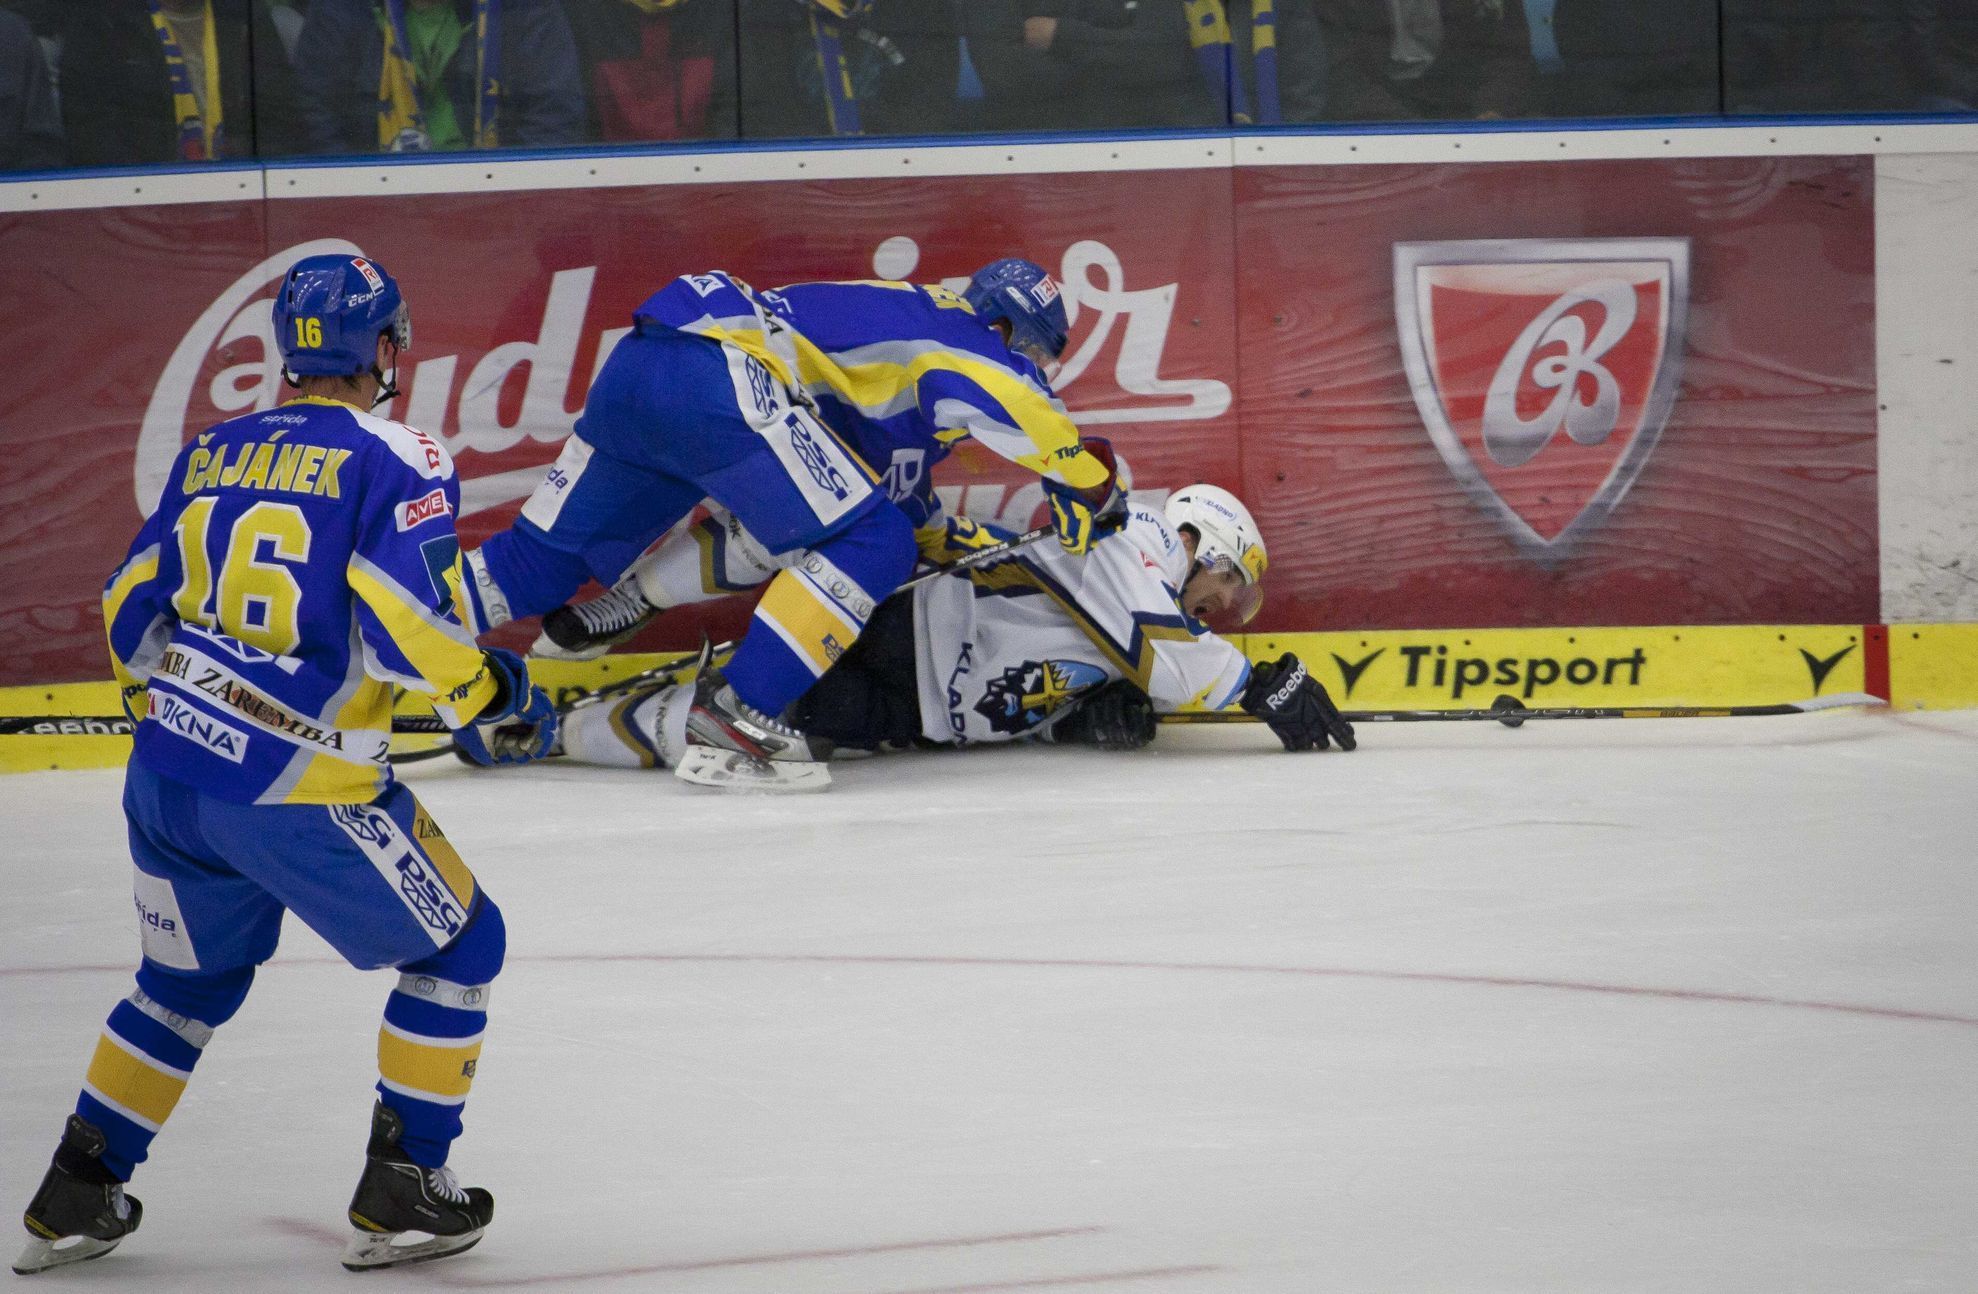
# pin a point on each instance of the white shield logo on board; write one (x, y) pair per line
(1544, 370)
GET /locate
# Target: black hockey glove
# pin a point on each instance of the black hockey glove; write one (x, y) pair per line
(1117, 716)
(1285, 695)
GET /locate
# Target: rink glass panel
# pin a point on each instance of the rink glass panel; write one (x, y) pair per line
(303, 77)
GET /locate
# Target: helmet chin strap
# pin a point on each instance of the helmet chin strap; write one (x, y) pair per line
(387, 386)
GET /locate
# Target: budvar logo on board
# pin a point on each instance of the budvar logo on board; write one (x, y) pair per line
(1508, 343)
(1096, 298)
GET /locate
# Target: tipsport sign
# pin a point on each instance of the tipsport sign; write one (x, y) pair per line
(1687, 665)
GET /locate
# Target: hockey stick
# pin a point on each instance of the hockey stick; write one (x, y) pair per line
(1511, 712)
(66, 725)
(421, 723)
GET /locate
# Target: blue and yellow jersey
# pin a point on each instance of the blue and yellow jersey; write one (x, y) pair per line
(900, 371)
(300, 563)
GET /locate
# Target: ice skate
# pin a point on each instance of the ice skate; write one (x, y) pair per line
(403, 1213)
(81, 1211)
(587, 630)
(734, 746)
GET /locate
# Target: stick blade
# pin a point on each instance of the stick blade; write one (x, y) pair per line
(1840, 701)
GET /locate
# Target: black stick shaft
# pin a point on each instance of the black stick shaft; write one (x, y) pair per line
(1563, 712)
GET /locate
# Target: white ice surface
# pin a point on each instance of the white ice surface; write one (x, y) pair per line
(1683, 1006)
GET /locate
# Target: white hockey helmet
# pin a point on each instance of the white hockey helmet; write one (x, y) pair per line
(1226, 539)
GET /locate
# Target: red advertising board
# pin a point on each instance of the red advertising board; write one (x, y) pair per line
(1617, 392)
(1331, 340)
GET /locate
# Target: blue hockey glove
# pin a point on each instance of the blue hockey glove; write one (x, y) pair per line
(1285, 695)
(1080, 517)
(519, 724)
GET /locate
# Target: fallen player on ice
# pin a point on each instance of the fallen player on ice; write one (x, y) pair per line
(1043, 644)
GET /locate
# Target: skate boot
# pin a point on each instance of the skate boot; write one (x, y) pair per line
(397, 1202)
(586, 630)
(734, 746)
(81, 1211)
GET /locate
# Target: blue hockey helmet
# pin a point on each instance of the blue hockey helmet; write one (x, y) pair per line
(1021, 293)
(330, 312)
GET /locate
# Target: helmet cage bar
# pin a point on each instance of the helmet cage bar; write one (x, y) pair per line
(1244, 598)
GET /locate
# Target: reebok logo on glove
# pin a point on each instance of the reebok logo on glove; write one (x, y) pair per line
(1277, 699)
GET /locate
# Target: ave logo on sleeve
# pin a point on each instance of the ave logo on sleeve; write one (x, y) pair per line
(1544, 370)
(415, 512)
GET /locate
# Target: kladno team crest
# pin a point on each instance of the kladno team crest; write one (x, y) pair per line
(1027, 694)
(1509, 343)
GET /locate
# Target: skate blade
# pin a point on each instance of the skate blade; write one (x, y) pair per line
(731, 770)
(375, 1250)
(41, 1255)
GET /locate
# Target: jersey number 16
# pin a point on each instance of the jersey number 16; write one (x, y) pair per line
(259, 601)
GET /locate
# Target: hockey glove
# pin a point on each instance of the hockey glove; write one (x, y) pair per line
(519, 724)
(1117, 716)
(1285, 695)
(1080, 517)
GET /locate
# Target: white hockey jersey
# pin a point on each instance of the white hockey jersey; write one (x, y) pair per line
(1004, 647)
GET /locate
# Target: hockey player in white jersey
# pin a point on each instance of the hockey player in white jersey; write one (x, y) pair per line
(1043, 644)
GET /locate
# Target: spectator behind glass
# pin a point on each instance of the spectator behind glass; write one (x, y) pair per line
(1428, 60)
(144, 82)
(657, 69)
(30, 128)
(1087, 65)
(450, 81)
(848, 67)
(1784, 56)
(1621, 58)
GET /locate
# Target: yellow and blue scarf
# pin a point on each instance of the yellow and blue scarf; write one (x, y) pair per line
(827, 19)
(1208, 32)
(401, 113)
(201, 134)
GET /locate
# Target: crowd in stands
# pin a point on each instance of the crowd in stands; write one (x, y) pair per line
(144, 82)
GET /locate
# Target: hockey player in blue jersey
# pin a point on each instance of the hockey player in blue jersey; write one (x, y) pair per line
(813, 413)
(300, 563)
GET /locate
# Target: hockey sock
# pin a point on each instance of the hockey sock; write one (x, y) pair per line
(145, 1056)
(715, 558)
(430, 1043)
(811, 613)
(644, 729)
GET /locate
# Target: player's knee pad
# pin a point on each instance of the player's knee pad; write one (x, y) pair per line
(476, 953)
(876, 550)
(208, 997)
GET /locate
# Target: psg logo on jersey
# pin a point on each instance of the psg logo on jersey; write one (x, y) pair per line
(1025, 695)
(1544, 370)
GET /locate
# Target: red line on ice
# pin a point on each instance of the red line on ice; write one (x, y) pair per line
(1084, 1278)
(1223, 968)
(753, 1260)
(1318, 972)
